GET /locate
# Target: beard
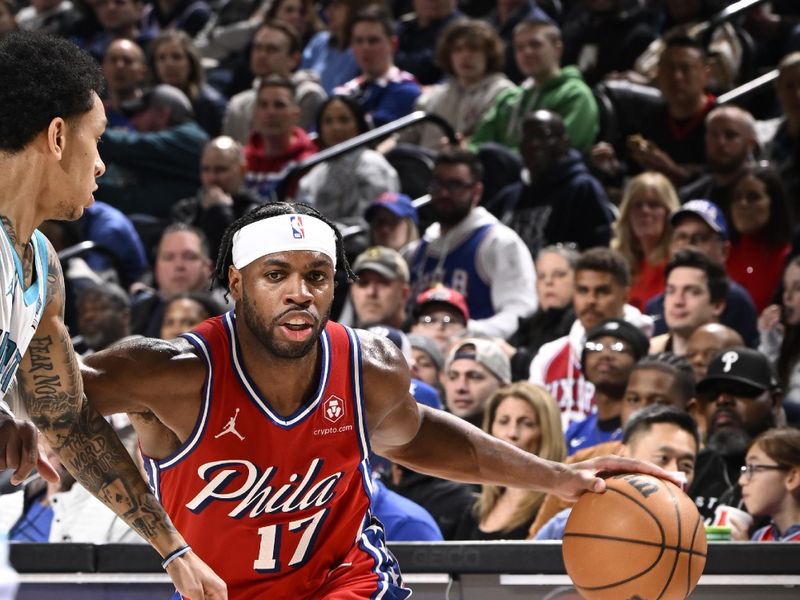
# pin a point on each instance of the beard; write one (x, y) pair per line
(729, 442)
(265, 332)
(733, 440)
(451, 215)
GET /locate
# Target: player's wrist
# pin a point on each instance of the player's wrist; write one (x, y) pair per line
(166, 545)
(174, 555)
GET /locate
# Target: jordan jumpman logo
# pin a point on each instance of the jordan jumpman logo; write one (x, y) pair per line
(230, 427)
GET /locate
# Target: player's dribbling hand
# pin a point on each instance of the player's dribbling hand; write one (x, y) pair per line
(195, 580)
(582, 477)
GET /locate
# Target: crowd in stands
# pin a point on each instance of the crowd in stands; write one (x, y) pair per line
(603, 258)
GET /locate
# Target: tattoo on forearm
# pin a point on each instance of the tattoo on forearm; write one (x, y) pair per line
(83, 439)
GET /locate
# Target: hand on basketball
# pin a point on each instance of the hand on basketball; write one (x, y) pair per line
(584, 476)
(194, 579)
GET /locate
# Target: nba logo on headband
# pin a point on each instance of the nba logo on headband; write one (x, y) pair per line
(296, 223)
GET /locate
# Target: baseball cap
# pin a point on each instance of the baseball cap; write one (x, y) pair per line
(487, 353)
(400, 204)
(163, 95)
(429, 347)
(622, 330)
(706, 210)
(384, 261)
(743, 366)
(443, 295)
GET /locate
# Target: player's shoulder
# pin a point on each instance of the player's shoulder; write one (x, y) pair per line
(382, 362)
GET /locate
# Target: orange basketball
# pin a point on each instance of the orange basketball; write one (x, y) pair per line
(643, 539)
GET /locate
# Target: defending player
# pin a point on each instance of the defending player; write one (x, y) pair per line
(282, 510)
(51, 119)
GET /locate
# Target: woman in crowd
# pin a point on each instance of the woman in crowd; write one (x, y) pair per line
(527, 417)
(642, 233)
(184, 311)
(779, 329)
(174, 60)
(770, 483)
(300, 14)
(555, 275)
(393, 221)
(342, 188)
(328, 53)
(471, 54)
(760, 233)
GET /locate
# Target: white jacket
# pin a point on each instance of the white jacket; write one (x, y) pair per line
(77, 517)
(503, 262)
(557, 368)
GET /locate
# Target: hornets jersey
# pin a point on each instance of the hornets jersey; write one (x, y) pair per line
(21, 308)
(279, 506)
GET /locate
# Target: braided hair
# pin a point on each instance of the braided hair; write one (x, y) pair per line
(671, 364)
(265, 211)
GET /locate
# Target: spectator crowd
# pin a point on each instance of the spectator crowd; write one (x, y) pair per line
(593, 249)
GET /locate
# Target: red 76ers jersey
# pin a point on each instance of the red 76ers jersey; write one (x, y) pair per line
(273, 504)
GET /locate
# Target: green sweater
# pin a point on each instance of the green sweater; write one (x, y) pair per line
(565, 94)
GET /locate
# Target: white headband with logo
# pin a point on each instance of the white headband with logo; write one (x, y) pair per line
(282, 233)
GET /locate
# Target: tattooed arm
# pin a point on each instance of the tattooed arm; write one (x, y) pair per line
(52, 390)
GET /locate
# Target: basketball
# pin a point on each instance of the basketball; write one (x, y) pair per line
(643, 539)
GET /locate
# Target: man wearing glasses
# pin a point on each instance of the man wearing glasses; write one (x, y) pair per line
(742, 399)
(609, 355)
(700, 224)
(470, 251)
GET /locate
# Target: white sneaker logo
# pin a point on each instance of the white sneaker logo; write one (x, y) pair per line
(230, 427)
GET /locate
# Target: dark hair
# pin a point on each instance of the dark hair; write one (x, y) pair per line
(311, 17)
(204, 299)
(205, 247)
(790, 346)
(605, 260)
(453, 155)
(42, 77)
(225, 258)
(295, 43)
(196, 77)
(674, 365)
(476, 33)
(684, 41)
(781, 444)
(353, 7)
(110, 291)
(778, 229)
(281, 82)
(355, 109)
(716, 276)
(643, 419)
(374, 13)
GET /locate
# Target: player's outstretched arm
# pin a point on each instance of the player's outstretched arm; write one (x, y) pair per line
(437, 443)
(52, 390)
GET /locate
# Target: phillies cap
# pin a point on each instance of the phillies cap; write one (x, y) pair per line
(748, 369)
(400, 204)
(442, 295)
(706, 210)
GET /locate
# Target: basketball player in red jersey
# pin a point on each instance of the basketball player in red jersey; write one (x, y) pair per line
(257, 426)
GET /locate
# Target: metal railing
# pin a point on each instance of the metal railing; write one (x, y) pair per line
(365, 139)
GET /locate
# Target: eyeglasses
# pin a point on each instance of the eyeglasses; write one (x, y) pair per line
(613, 346)
(444, 320)
(449, 185)
(749, 470)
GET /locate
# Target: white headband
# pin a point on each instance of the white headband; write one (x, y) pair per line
(282, 233)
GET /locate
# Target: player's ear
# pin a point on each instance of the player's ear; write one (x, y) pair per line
(55, 137)
(235, 282)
